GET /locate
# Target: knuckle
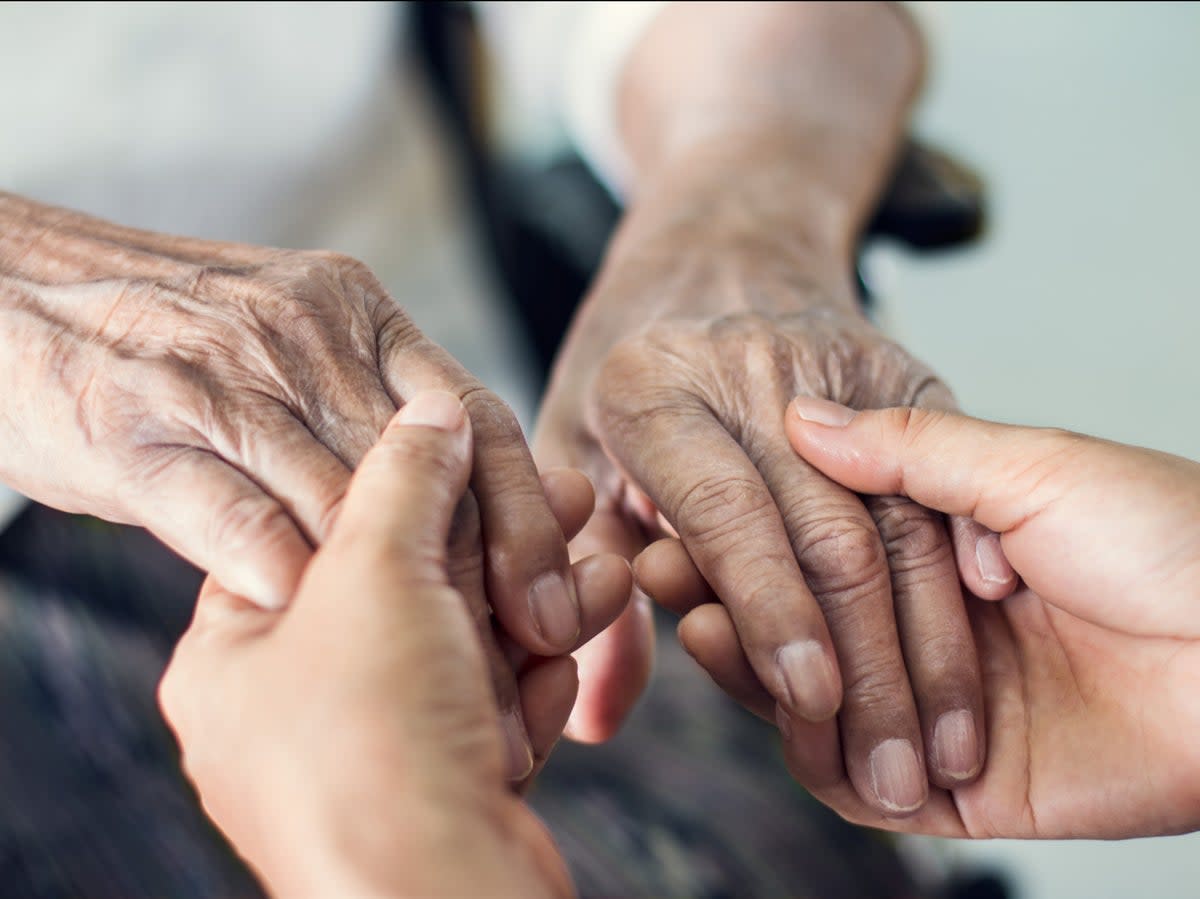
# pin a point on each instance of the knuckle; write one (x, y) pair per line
(841, 557)
(490, 416)
(763, 583)
(641, 373)
(929, 391)
(341, 265)
(246, 522)
(718, 509)
(619, 381)
(913, 537)
(946, 658)
(395, 332)
(878, 686)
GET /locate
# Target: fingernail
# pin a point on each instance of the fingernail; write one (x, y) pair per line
(434, 409)
(554, 609)
(262, 590)
(955, 748)
(784, 722)
(520, 756)
(822, 412)
(993, 565)
(810, 679)
(897, 776)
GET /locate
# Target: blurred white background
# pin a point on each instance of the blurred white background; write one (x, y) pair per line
(1080, 308)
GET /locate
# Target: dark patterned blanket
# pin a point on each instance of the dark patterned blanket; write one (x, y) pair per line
(690, 800)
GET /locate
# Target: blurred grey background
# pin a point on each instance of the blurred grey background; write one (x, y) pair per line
(1080, 307)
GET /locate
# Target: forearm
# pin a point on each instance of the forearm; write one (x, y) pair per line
(43, 245)
(766, 125)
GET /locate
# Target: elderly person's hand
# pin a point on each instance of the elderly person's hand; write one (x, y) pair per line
(1090, 668)
(221, 395)
(348, 744)
(682, 432)
(757, 138)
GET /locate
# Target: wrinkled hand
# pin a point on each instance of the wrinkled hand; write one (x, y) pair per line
(838, 604)
(348, 745)
(221, 395)
(1090, 668)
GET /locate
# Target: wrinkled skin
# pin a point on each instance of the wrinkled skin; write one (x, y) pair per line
(221, 395)
(678, 420)
(1090, 666)
(348, 745)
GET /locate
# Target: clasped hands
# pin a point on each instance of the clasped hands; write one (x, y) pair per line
(222, 395)
(349, 745)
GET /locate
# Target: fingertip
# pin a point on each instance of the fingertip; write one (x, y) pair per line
(613, 672)
(604, 585)
(956, 750)
(439, 409)
(708, 635)
(811, 410)
(982, 562)
(517, 745)
(811, 680)
(667, 574)
(571, 498)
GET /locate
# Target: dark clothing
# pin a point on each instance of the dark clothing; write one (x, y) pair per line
(690, 800)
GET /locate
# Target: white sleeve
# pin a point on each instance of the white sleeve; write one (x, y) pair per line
(600, 45)
(560, 66)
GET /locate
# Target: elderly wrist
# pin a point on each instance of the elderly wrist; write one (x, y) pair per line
(754, 187)
(775, 241)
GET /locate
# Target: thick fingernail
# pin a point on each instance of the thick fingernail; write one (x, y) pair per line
(810, 679)
(897, 776)
(520, 756)
(993, 565)
(822, 412)
(555, 610)
(955, 747)
(434, 409)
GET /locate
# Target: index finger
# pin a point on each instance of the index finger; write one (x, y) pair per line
(529, 574)
(702, 481)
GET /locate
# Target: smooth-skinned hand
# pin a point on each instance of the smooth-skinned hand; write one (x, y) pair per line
(1089, 667)
(348, 745)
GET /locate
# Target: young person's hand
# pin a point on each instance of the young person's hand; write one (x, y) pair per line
(349, 745)
(1090, 668)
